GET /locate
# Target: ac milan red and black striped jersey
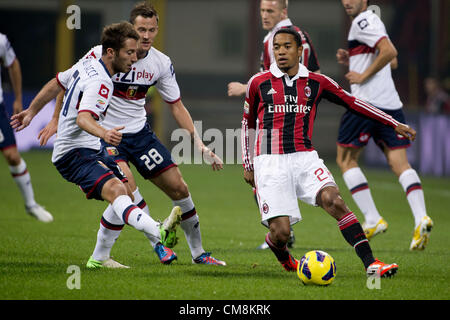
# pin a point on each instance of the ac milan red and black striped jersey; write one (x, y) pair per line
(309, 56)
(282, 110)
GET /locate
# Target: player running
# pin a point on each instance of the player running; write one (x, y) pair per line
(281, 105)
(140, 146)
(77, 151)
(274, 15)
(8, 147)
(370, 57)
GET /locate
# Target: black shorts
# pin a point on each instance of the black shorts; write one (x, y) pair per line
(144, 150)
(89, 169)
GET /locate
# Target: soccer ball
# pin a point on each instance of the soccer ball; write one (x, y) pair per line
(316, 267)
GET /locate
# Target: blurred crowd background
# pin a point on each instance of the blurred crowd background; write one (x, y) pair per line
(213, 42)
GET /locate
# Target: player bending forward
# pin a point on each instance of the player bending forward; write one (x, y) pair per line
(281, 104)
(140, 145)
(76, 154)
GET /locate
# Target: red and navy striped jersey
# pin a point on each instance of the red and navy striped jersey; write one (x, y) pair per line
(281, 110)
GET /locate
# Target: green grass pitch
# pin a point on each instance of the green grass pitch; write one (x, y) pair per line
(35, 257)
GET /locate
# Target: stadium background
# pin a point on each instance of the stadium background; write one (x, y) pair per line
(213, 42)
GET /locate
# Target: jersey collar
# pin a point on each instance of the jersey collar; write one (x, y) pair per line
(106, 70)
(303, 72)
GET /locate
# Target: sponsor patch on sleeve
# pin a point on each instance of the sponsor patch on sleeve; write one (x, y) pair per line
(363, 24)
(104, 91)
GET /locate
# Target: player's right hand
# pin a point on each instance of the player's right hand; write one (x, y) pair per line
(113, 136)
(21, 120)
(406, 131)
(342, 56)
(236, 89)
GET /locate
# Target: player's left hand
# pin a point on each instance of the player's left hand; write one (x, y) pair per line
(406, 131)
(212, 159)
(354, 77)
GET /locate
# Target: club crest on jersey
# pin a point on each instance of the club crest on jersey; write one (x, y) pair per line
(112, 151)
(104, 91)
(131, 92)
(308, 91)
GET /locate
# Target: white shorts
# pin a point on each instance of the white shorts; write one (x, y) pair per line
(282, 179)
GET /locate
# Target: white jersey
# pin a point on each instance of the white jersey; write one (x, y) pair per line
(89, 88)
(366, 31)
(128, 100)
(7, 56)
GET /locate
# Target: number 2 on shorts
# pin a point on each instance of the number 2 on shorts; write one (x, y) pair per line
(154, 155)
(319, 174)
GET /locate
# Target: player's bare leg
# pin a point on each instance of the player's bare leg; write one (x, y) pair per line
(410, 181)
(347, 160)
(277, 239)
(171, 182)
(331, 201)
(21, 176)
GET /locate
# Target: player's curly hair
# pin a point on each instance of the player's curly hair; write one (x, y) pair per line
(115, 35)
(145, 10)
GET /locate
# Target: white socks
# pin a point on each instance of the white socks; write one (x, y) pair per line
(22, 178)
(111, 226)
(410, 181)
(140, 202)
(357, 184)
(135, 217)
(412, 186)
(190, 225)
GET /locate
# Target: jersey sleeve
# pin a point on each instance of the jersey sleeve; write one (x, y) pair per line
(95, 99)
(7, 53)
(167, 84)
(63, 78)
(369, 30)
(312, 62)
(251, 103)
(334, 93)
(248, 124)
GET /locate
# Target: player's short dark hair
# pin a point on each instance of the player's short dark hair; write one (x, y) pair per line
(115, 35)
(145, 10)
(293, 32)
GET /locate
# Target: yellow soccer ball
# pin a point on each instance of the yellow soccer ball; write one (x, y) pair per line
(316, 267)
